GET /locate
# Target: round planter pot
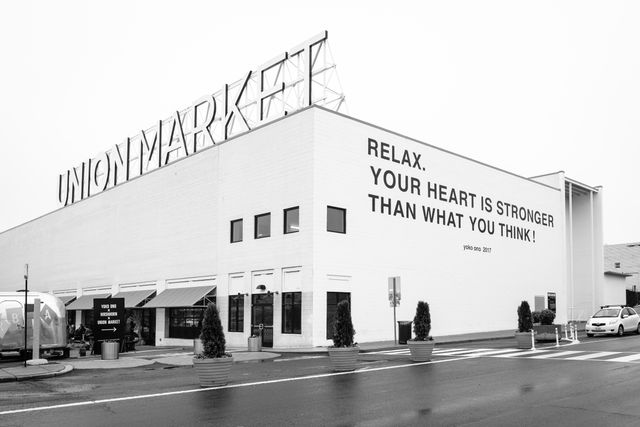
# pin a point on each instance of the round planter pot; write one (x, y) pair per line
(343, 358)
(213, 372)
(523, 339)
(421, 350)
(197, 346)
(254, 343)
(109, 350)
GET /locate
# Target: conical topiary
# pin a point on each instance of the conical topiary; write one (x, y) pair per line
(343, 331)
(212, 334)
(422, 322)
(525, 322)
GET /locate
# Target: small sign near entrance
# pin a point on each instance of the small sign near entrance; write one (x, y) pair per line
(394, 291)
(109, 318)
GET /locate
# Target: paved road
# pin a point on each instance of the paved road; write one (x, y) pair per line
(458, 389)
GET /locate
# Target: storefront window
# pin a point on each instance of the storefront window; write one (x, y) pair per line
(236, 313)
(292, 313)
(185, 322)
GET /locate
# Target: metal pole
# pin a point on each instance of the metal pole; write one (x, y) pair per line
(395, 332)
(26, 290)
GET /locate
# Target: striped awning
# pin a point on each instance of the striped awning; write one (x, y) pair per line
(133, 298)
(179, 297)
(66, 299)
(85, 302)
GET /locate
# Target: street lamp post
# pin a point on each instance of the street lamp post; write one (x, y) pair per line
(26, 290)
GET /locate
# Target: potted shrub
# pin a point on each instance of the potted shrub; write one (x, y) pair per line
(213, 365)
(422, 345)
(546, 331)
(535, 316)
(344, 352)
(523, 334)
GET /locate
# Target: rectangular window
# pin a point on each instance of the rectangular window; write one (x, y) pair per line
(236, 313)
(292, 220)
(262, 226)
(236, 231)
(333, 298)
(185, 322)
(336, 219)
(292, 312)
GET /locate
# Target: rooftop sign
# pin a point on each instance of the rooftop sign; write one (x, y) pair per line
(302, 76)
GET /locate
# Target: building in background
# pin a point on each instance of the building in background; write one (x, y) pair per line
(266, 200)
(624, 258)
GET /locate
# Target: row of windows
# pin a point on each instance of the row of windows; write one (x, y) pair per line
(336, 223)
(291, 313)
(187, 322)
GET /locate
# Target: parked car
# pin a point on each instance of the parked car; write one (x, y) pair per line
(613, 319)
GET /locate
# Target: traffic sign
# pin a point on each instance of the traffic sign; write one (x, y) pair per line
(109, 322)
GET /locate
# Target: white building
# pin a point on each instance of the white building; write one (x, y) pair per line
(280, 223)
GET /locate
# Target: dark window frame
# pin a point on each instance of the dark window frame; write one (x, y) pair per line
(284, 220)
(344, 219)
(255, 225)
(241, 230)
(289, 308)
(181, 321)
(236, 306)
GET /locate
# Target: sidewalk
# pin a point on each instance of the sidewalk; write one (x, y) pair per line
(182, 356)
(20, 373)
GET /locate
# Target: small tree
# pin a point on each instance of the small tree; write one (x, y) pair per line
(546, 317)
(535, 315)
(524, 317)
(422, 322)
(343, 331)
(212, 334)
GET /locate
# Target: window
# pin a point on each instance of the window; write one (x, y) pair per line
(236, 313)
(262, 226)
(292, 220)
(292, 313)
(236, 231)
(185, 322)
(336, 219)
(333, 298)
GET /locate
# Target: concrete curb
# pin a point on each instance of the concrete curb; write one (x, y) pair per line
(8, 376)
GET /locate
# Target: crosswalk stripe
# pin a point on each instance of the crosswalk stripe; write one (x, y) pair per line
(397, 351)
(526, 353)
(625, 358)
(441, 350)
(592, 355)
(555, 354)
(462, 352)
(497, 352)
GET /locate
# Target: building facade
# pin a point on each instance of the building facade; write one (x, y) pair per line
(279, 224)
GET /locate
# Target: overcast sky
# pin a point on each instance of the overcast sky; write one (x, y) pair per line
(530, 87)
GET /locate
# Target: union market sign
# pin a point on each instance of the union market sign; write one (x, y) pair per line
(293, 80)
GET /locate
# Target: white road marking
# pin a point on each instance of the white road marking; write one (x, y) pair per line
(198, 390)
(592, 355)
(300, 358)
(625, 358)
(525, 354)
(461, 352)
(552, 354)
(496, 352)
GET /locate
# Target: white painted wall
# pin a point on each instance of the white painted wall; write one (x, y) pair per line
(467, 291)
(614, 290)
(175, 223)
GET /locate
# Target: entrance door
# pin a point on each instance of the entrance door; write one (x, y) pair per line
(262, 314)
